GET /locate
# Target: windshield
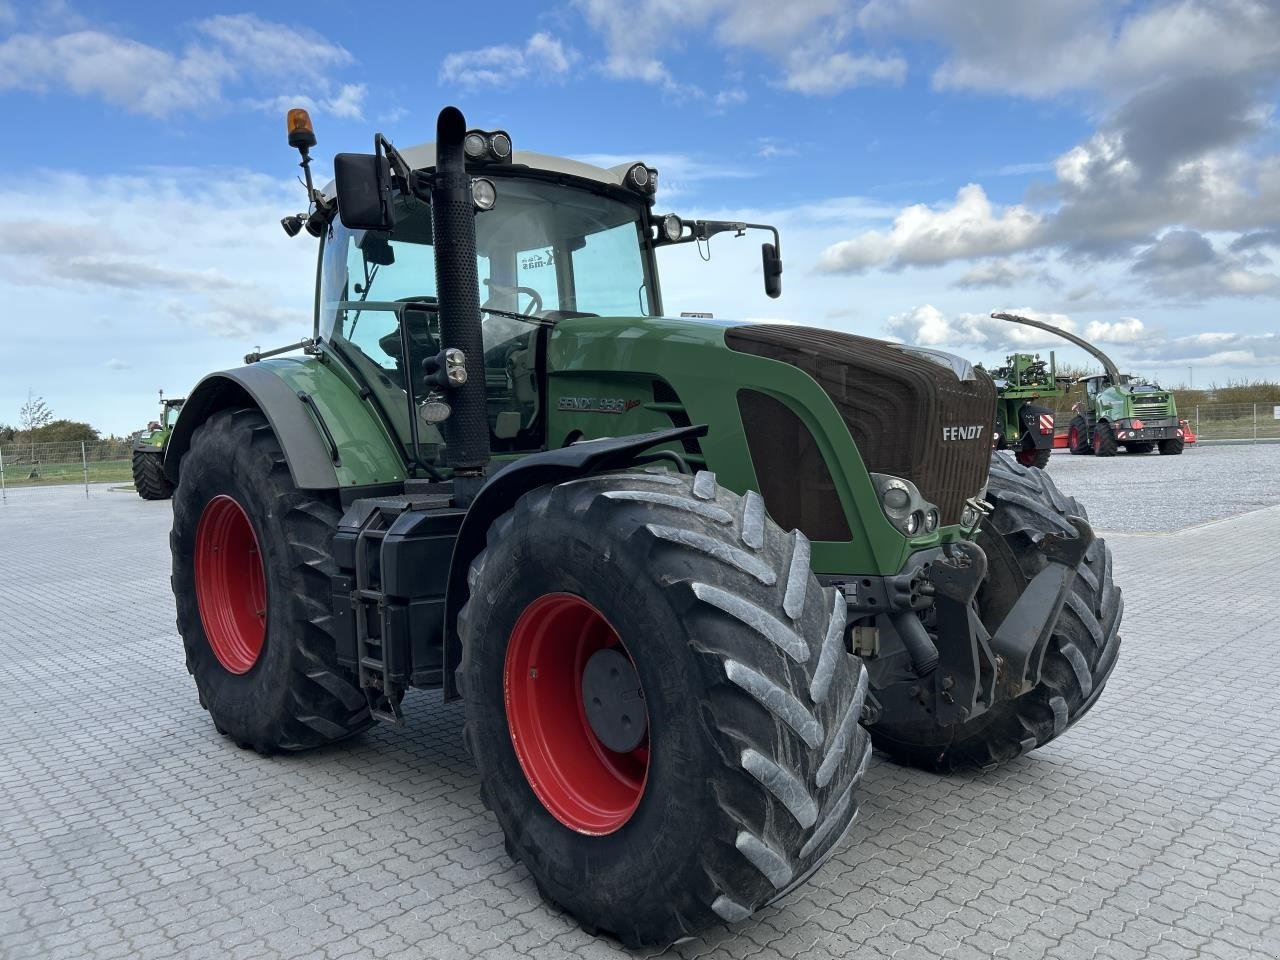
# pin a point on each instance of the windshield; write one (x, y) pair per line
(543, 253)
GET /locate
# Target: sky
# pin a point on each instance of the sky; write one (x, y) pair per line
(1113, 167)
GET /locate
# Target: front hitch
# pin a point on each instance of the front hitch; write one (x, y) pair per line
(1023, 636)
(963, 668)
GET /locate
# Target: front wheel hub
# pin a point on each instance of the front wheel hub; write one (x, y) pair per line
(614, 700)
(576, 712)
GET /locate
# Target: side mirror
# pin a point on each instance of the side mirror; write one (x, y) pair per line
(363, 182)
(772, 270)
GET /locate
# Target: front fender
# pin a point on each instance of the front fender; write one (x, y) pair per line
(512, 481)
(331, 438)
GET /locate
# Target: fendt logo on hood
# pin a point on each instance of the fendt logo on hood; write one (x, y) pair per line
(961, 433)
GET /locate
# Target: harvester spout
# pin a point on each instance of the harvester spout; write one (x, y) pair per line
(1112, 371)
(466, 432)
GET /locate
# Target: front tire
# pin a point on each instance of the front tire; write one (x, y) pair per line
(1077, 434)
(252, 562)
(1082, 648)
(1104, 441)
(745, 779)
(1037, 457)
(148, 474)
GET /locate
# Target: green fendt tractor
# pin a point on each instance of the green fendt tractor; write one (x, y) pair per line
(149, 478)
(671, 567)
(1022, 425)
(1118, 410)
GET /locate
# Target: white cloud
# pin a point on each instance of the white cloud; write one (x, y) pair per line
(970, 227)
(1124, 330)
(117, 364)
(927, 326)
(733, 97)
(834, 72)
(215, 250)
(543, 57)
(772, 147)
(1214, 349)
(1049, 47)
(994, 273)
(808, 39)
(174, 273)
(149, 80)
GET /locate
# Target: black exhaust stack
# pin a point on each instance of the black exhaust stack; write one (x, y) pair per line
(466, 431)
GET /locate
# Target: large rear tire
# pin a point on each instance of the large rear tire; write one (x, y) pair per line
(1082, 649)
(148, 474)
(1172, 447)
(744, 780)
(252, 562)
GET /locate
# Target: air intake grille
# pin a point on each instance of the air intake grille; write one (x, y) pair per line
(910, 416)
(794, 478)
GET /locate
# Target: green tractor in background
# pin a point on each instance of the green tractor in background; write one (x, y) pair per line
(148, 453)
(681, 573)
(1118, 410)
(1022, 425)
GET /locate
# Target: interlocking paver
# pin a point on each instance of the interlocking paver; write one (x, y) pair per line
(128, 828)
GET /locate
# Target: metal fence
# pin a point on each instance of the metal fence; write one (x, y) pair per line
(1235, 421)
(35, 464)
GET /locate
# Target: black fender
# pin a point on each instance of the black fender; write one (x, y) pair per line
(1029, 419)
(310, 460)
(512, 481)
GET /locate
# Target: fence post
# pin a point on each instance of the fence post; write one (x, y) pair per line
(4, 498)
(1255, 423)
(1197, 419)
(84, 462)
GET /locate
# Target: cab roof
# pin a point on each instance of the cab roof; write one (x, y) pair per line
(423, 155)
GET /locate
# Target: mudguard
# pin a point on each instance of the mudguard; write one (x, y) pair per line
(331, 438)
(518, 477)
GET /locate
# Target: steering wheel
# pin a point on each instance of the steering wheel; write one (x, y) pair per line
(535, 298)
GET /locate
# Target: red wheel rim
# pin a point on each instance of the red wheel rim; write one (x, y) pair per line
(1027, 457)
(231, 590)
(1073, 439)
(582, 783)
(1097, 440)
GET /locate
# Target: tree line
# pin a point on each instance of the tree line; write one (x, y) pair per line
(38, 424)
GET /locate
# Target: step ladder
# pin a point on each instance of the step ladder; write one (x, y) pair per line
(368, 603)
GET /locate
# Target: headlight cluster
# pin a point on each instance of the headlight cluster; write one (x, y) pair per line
(487, 145)
(903, 505)
(642, 179)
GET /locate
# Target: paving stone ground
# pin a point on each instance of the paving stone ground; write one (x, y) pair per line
(130, 829)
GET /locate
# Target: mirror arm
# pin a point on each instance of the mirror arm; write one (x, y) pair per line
(415, 183)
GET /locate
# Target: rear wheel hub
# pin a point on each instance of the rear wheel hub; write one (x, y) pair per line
(231, 589)
(576, 711)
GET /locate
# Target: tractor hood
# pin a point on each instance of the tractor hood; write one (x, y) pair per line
(915, 413)
(800, 414)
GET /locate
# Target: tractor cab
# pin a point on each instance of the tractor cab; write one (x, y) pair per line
(555, 239)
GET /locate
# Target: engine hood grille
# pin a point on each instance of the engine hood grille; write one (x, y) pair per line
(909, 412)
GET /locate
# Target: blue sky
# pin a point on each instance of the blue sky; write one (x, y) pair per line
(1113, 165)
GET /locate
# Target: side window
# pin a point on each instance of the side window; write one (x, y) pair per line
(608, 274)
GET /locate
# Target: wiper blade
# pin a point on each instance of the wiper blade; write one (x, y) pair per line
(527, 317)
